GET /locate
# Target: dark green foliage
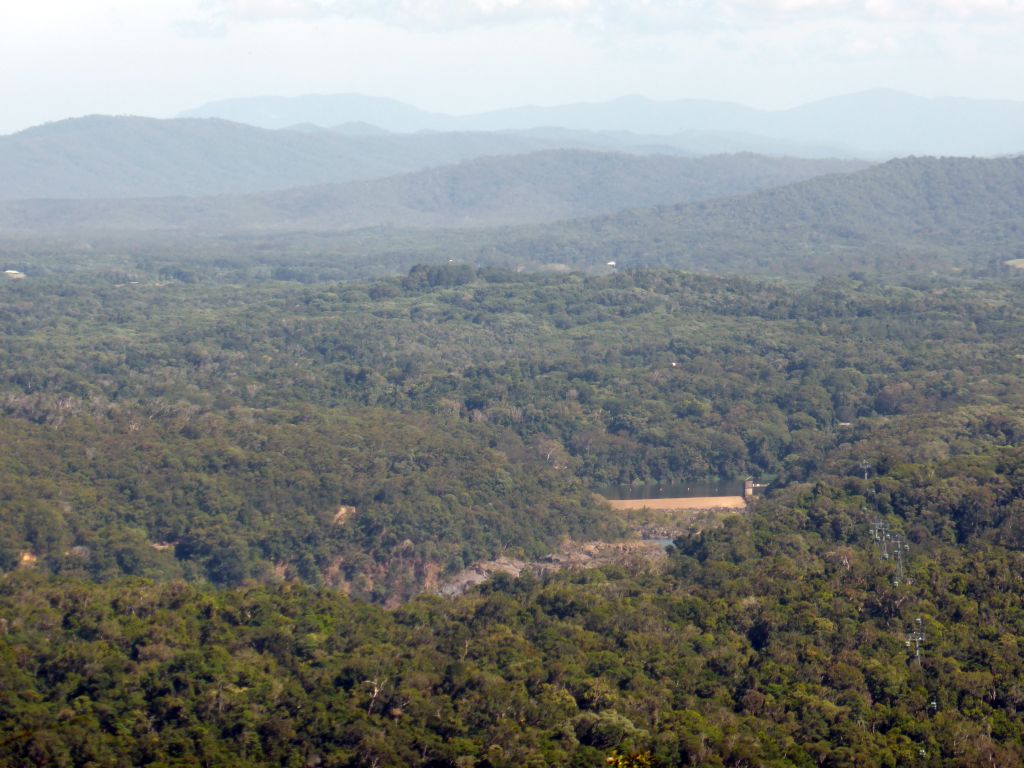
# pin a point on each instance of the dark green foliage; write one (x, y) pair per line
(778, 639)
(229, 496)
(175, 457)
(462, 413)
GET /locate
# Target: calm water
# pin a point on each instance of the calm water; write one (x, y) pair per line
(725, 487)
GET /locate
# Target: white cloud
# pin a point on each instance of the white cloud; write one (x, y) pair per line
(414, 13)
(65, 57)
(867, 47)
(642, 14)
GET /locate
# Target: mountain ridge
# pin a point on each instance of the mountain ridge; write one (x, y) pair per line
(903, 124)
(104, 156)
(910, 213)
(535, 187)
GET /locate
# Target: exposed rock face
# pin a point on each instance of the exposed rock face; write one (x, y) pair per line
(478, 573)
(572, 555)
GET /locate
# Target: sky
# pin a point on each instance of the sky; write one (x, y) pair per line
(64, 58)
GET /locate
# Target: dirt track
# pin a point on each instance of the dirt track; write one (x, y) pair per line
(672, 505)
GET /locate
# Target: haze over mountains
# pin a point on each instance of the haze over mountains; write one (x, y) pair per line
(873, 124)
(126, 157)
(914, 216)
(248, 146)
(537, 187)
(588, 189)
(103, 156)
(340, 433)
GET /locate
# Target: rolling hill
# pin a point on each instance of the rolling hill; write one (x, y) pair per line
(108, 157)
(538, 187)
(909, 214)
(915, 216)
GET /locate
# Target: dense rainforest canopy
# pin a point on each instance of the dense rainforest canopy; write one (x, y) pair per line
(462, 413)
(780, 639)
(208, 489)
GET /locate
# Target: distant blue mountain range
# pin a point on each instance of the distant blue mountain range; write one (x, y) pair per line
(874, 124)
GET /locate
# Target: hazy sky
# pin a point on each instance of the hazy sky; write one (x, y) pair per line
(61, 58)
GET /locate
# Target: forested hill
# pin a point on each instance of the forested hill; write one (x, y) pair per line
(215, 432)
(102, 156)
(913, 214)
(919, 216)
(785, 638)
(535, 187)
(201, 485)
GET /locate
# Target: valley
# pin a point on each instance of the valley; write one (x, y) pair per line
(363, 435)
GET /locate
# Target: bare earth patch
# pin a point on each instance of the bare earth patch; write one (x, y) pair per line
(27, 560)
(343, 514)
